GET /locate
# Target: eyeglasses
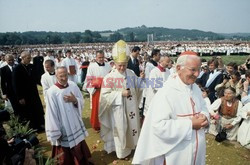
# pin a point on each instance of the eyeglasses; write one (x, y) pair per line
(194, 70)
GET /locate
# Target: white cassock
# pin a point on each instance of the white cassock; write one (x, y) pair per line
(47, 81)
(63, 121)
(148, 68)
(167, 131)
(58, 62)
(68, 63)
(118, 115)
(158, 78)
(208, 102)
(243, 136)
(95, 71)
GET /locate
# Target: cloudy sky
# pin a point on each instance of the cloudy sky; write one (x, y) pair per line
(222, 16)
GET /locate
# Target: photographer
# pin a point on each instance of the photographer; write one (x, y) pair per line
(15, 151)
(231, 68)
(231, 80)
(7, 156)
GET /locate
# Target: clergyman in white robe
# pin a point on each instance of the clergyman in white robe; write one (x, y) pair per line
(167, 131)
(118, 115)
(95, 71)
(95, 74)
(243, 136)
(63, 121)
(47, 80)
(157, 77)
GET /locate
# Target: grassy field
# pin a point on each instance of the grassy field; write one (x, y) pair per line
(226, 59)
(226, 153)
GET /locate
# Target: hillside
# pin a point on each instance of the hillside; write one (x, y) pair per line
(130, 34)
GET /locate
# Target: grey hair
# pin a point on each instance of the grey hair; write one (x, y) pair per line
(182, 60)
(60, 67)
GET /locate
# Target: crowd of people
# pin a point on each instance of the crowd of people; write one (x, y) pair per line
(141, 98)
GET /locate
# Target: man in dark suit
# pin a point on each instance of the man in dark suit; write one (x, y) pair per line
(6, 83)
(133, 62)
(211, 79)
(38, 66)
(25, 87)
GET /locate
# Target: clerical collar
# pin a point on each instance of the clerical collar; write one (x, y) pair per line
(53, 73)
(24, 64)
(153, 62)
(61, 86)
(161, 68)
(100, 64)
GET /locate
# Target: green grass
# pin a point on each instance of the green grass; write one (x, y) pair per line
(226, 59)
(226, 153)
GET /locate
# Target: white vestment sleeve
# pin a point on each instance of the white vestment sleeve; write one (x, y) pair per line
(161, 131)
(52, 124)
(215, 106)
(237, 119)
(80, 101)
(89, 77)
(244, 111)
(110, 100)
(45, 85)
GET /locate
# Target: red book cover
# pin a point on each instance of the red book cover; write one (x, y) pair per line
(72, 70)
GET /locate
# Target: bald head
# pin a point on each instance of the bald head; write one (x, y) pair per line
(26, 57)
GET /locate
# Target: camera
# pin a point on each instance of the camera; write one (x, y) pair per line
(14, 152)
(226, 76)
(18, 147)
(243, 80)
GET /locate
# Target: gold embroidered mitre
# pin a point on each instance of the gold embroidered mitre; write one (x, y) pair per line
(120, 51)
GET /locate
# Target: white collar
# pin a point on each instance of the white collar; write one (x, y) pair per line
(132, 58)
(188, 88)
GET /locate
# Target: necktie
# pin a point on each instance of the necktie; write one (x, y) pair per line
(134, 61)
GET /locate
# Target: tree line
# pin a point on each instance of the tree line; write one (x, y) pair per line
(136, 34)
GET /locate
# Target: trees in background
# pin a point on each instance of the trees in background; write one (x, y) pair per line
(136, 34)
